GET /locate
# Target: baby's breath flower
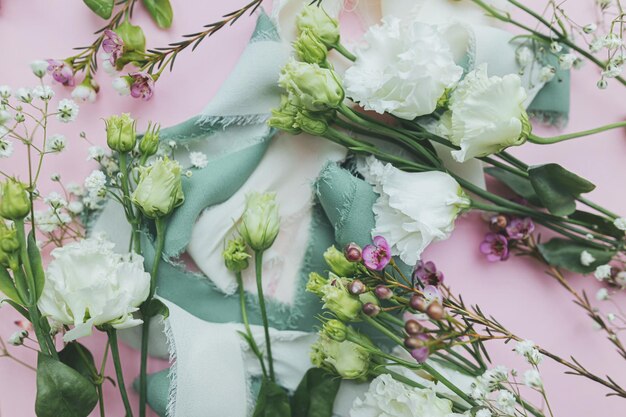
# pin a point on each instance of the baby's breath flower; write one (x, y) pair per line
(602, 272)
(17, 338)
(198, 160)
(55, 200)
(24, 95)
(590, 28)
(55, 143)
(39, 67)
(566, 61)
(620, 223)
(602, 294)
(96, 153)
(95, 182)
(6, 148)
(483, 412)
(5, 116)
(43, 92)
(527, 349)
(532, 379)
(5, 91)
(586, 258)
(506, 402)
(76, 207)
(547, 73)
(67, 111)
(556, 47)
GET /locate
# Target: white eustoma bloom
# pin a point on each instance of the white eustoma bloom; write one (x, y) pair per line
(413, 209)
(87, 285)
(485, 115)
(390, 398)
(404, 69)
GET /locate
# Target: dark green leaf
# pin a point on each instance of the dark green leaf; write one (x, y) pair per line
(156, 307)
(520, 186)
(80, 359)
(103, 8)
(558, 188)
(62, 391)
(34, 257)
(601, 224)
(316, 394)
(272, 401)
(19, 279)
(17, 307)
(128, 57)
(7, 287)
(566, 254)
(133, 37)
(161, 12)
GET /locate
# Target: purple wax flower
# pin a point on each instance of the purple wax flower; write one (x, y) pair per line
(432, 294)
(61, 72)
(519, 229)
(142, 85)
(112, 45)
(426, 272)
(420, 354)
(495, 247)
(377, 256)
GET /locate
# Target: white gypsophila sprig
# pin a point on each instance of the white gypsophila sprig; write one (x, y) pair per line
(95, 183)
(198, 159)
(506, 402)
(528, 350)
(43, 92)
(602, 294)
(532, 379)
(25, 95)
(586, 258)
(603, 272)
(56, 143)
(67, 111)
(6, 148)
(620, 223)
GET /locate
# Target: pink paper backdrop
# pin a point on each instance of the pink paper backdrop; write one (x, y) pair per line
(516, 292)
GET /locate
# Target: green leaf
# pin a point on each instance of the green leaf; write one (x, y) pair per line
(272, 401)
(34, 257)
(558, 188)
(103, 8)
(520, 186)
(161, 12)
(316, 394)
(138, 58)
(17, 307)
(80, 359)
(566, 254)
(7, 287)
(133, 37)
(62, 391)
(155, 307)
(599, 223)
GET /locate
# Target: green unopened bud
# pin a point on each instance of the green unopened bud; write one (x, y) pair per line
(311, 87)
(347, 359)
(160, 189)
(133, 37)
(9, 245)
(284, 117)
(316, 20)
(315, 283)
(260, 222)
(309, 48)
(336, 330)
(121, 134)
(338, 300)
(150, 142)
(338, 262)
(235, 255)
(14, 201)
(315, 126)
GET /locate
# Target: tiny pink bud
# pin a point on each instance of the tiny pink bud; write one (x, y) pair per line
(435, 311)
(420, 354)
(383, 293)
(353, 252)
(371, 309)
(412, 327)
(418, 303)
(413, 342)
(357, 287)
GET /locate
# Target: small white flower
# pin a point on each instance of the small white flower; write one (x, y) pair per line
(602, 272)
(43, 92)
(532, 379)
(612, 41)
(106, 64)
(121, 85)
(611, 317)
(76, 207)
(556, 47)
(483, 412)
(5, 91)
(17, 338)
(55, 177)
(24, 95)
(586, 258)
(56, 143)
(96, 153)
(566, 61)
(506, 402)
(620, 279)
(84, 93)
(547, 73)
(198, 160)
(75, 189)
(590, 28)
(95, 183)
(620, 223)
(39, 67)
(491, 378)
(67, 111)
(524, 56)
(602, 294)
(55, 200)
(612, 71)
(46, 221)
(6, 148)
(5, 116)
(527, 349)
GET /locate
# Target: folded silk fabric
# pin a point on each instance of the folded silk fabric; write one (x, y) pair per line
(321, 204)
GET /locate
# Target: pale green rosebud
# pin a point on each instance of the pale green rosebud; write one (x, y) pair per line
(284, 117)
(235, 255)
(336, 330)
(347, 359)
(121, 134)
(315, 284)
(315, 126)
(338, 300)
(311, 87)
(260, 222)
(315, 19)
(338, 263)
(309, 48)
(150, 142)
(160, 189)
(9, 245)
(14, 201)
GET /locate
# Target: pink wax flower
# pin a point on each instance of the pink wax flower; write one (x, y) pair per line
(61, 72)
(112, 45)
(142, 85)
(519, 229)
(377, 256)
(420, 354)
(495, 247)
(426, 272)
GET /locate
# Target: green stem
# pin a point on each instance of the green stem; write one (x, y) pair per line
(555, 139)
(344, 51)
(598, 208)
(128, 204)
(244, 315)
(100, 399)
(258, 262)
(115, 353)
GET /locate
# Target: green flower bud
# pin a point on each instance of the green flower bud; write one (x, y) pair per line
(315, 126)
(336, 330)
(150, 142)
(121, 135)
(284, 118)
(315, 19)
(311, 87)
(347, 359)
(338, 300)
(235, 255)
(9, 245)
(315, 284)
(338, 263)
(260, 222)
(14, 201)
(309, 48)
(160, 189)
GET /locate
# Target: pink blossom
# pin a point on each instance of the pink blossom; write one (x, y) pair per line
(519, 229)
(426, 272)
(142, 85)
(113, 45)
(61, 72)
(377, 256)
(495, 247)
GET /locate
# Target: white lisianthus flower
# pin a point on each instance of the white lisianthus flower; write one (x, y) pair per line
(586, 258)
(413, 209)
(390, 398)
(486, 115)
(87, 285)
(404, 70)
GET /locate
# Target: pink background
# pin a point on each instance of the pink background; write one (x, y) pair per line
(516, 292)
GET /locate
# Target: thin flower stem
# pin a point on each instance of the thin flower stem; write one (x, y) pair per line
(344, 51)
(115, 353)
(246, 324)
(132, 218)
(258, 263)
(555, 139)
